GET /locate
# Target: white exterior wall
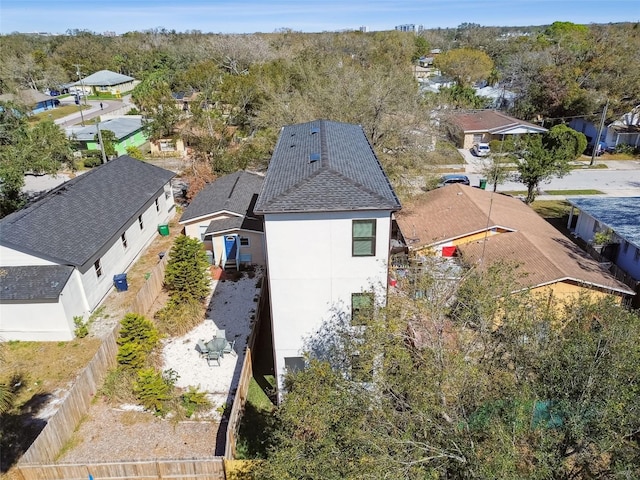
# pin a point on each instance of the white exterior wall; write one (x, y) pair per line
(46, 321)
(14, 258)
(118, 258)
(312, 271)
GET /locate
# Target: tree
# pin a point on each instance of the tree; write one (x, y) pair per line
(495, 170)
(108, 142)
(465, 65)
(546, 156)
(187, 272)
(41, 149)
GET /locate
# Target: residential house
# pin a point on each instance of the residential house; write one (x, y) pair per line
(499, 97)
(486, 125)
(327, 207)
(34, 100)
(129, 132)
(618, 216)
(623, 131)
(185, 99)
(484, 227)
(106, 81)
(221, 215)
(168, 147)
(59, 255)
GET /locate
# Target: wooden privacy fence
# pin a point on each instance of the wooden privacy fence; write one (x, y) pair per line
(151, 288)
(202, 469)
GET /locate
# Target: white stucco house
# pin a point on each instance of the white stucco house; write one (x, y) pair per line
(623, 131)
(327, 207)
(58, 255)
(620, 216)
(221, 216)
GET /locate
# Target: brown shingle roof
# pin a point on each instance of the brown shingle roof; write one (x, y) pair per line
(543, 252)
(490, 121)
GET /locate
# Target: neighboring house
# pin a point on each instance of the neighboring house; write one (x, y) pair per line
(327, 207)
(486, 125)
(34, 100)
(58, 255)
(484, 227)
(621, 215)
(129, 131)
(500, 97)
(106, 81)
(185, 99)
(168, 147)
(221, 215)
(434, 83)
(624, 131)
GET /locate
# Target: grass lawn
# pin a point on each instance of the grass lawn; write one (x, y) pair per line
(551, 208)
(56, 113)
(573, 192)
(256, 425)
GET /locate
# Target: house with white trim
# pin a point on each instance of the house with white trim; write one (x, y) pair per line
(327, 206)
(221, 216)
(59, 255)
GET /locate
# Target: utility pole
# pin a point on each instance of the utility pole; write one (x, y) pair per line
(596, 145)
(77, 65)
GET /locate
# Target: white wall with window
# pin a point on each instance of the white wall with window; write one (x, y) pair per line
(316, 261)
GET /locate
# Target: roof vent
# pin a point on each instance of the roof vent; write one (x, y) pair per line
(314, 157)
(315, 130)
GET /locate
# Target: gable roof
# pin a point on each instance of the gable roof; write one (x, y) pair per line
(28, 97)
(120, 126)
(76, 222)
(324, 166)
(493, 122)
(232, 193)
(620, 214)
(457, 211)
(34, 282)
(104, 77)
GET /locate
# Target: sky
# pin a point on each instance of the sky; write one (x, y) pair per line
(250, 16)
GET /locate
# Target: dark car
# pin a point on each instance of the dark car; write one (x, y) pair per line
(453, 178)
(54, 93)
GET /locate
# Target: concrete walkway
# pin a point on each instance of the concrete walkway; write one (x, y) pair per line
(108, 106)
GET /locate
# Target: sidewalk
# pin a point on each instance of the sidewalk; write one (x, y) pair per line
(108, 105)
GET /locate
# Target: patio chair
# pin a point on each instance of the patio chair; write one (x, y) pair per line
(228, 348)
(213, 356)
(221, 334)
(202, 347)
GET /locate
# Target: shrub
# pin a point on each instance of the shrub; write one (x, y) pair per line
(135, 152)
(177, 317)
(194, 400)
(118, 386)
(187, 273)
(153, 390)
(137, 329)
(91, 158)
(131, 356)
(81, 330)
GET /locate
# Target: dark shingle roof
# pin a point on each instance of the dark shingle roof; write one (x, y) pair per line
(75, 223)
(39, 282)
(620, 214)
(232, 193)
(333, 169)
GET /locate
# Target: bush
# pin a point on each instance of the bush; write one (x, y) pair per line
(194, 400)
(137, 329)
(131, 356)
(135, 152)
(81, 330)
(118, 386)
(91, 158)
(178, 316)
(187, 273)
(153, 390)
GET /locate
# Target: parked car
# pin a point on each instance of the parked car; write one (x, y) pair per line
(481, 149)
(54, 93)
(453, 178)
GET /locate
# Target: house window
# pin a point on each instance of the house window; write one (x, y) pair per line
(140, 222)
(203, 230)
(294, 364)
(477, 138)
(123, 238)
(157, 205)
(98, 268)
(244, 241)
(361, 308)
(364, 238)
(167, 146)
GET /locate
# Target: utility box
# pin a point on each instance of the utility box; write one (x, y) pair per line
(120, 282)
(163, 230)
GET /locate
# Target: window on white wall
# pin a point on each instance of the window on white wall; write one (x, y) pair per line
(157, 205)
(140, 222)
(361, 308)
(364, 238)
(294, 364)
(123, 239)
(244, 241)
(98, 268)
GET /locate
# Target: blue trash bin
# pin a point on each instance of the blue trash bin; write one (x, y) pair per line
(120, 282)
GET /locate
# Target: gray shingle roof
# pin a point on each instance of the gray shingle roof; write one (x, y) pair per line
(40, 282)
(104, 77)
(76, 222)
(346, 175)
(232, 193)
(620, 214)
(121, 127)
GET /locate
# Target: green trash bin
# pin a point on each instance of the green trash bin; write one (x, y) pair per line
(483, 183)
(163, 230)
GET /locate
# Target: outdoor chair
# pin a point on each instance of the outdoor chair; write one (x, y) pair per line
(202, 347)
(213, 356)
(221, 334)
(229, 348)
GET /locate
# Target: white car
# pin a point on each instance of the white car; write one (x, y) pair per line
(481, 149)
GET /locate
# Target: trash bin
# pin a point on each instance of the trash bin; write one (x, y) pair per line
(483, 183)
(163, 229)
(120, 282)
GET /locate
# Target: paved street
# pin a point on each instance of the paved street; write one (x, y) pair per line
(108, 106)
